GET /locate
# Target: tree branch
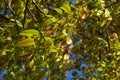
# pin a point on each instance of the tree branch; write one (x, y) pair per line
(25, 12)
(107, 32)
(13, 13)
(40, 11)
(37, 6)
(31, 14)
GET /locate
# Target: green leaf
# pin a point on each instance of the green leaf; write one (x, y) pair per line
(65, 7)
(107, 13)
(18, 22)
(61, 34)
(49, 40)
(100, 69)
(1, 29)
(101, 39)
(53, 50)
(45, 11)
(68, 40)
(30, 32)
(77, 1)
(51, 18)
(66, 57)
(58, 10)
(73, 31)
(26, 42)
(94, 78)
(31, 63)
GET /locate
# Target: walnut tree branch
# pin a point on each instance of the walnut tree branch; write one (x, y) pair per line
(25, 12)
(13, 13)
(107, 32)
(31, 14)
(37, 6)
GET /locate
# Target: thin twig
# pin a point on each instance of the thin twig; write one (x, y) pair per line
(108, 41)
(9, 8)
(25, 12)
(37, 6)
(107, 32)
(40, 11)
(13, 13)
(31, 14)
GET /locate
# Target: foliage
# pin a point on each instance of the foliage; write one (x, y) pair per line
(46, 38)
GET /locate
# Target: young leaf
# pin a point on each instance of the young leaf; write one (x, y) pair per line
(53, 50)
(26, 42)
(58, 10)
(25, 53)
(30, 32)
(45, 11)
(61, 35)
(68, 40)
(65, 7)
(31, 63)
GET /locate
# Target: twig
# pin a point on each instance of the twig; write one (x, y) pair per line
(31, 14)
(25, 12)
(40, 11)
(37, 6)
(9, 8)
(107, 32)
(13, 15)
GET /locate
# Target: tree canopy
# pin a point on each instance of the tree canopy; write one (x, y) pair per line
(47, 38)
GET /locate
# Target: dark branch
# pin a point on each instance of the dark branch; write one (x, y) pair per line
(9, 8)
(108, 41)
(37, 7)
(107, 32)
(25, 12)
(13, 13)
(39, 10)
(31, 14)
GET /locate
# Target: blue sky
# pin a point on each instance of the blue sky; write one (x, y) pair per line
(73, 1)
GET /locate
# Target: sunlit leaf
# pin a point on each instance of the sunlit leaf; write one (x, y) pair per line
(45, 11)
(49, 40)
(31, 63)
(30, 32)
(66, 7)
(18, 22)
(58, 10)
(66, 56)
(26, 42)
(60, 37)
(53, 50)
(94, 79)
(101, 39)
(25, 53)
(107, 13)
(1, 29)
(51, 18)
(68, 40)
(61, 34)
